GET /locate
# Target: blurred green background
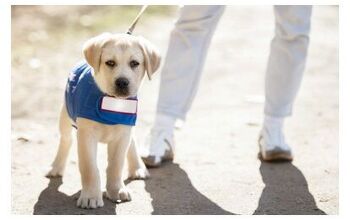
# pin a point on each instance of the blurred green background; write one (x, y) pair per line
(47, 41)
(34, 24)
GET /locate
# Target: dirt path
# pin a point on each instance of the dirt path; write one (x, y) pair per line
(213, 172)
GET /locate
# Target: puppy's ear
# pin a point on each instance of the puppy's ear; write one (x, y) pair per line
(151, 56)
(92, 50)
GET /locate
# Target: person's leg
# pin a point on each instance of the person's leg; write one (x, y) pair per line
(189, 42)
(283, 76)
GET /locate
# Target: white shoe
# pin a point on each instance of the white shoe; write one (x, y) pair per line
(272, 144)
(160, 145)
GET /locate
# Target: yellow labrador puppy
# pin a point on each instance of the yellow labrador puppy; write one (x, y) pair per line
(101, 102)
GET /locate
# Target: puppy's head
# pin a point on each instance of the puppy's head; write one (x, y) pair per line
(120, 62)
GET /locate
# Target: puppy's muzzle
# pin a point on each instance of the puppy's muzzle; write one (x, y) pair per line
(122, 86)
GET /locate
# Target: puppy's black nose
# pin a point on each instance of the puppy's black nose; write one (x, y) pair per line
(122, 83)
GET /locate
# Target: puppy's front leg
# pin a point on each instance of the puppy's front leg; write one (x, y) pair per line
(116, 190)
(90, 195)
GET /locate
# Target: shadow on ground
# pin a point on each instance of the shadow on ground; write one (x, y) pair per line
(53, 202)
(286, 191)
(172, 193)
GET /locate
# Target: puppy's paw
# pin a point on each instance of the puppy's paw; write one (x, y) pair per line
(118, 196)
(55, 172)
(90, 200)
(139, 174)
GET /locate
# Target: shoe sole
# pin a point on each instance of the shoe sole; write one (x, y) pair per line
(150, 161)
(274, 156)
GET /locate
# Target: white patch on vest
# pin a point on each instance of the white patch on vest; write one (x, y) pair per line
(119, 105)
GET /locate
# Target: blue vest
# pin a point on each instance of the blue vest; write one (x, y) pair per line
(83, 99)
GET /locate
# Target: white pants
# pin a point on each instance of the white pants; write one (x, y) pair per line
(188, 47)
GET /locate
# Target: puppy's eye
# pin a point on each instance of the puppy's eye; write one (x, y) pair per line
(134, 63)
(110, 63)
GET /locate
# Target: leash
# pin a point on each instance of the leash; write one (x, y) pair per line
(132, 27)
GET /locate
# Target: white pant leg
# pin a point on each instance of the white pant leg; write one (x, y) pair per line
(287, 58)
(185, 58)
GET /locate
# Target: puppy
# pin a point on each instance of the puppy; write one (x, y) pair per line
(101, 102)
